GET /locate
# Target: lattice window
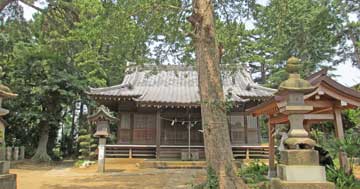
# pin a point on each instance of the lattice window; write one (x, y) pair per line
(144, 128)
(125, 120)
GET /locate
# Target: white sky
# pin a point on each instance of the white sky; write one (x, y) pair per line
(347, 74)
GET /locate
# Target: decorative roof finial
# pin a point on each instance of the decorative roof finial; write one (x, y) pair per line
(293, 65)
(294, 82)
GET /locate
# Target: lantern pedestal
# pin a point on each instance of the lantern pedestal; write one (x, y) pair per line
(102, 118)
(299, 169)
(101, 156)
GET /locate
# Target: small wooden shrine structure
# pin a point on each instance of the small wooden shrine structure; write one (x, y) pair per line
(159, 111)
(328, 99)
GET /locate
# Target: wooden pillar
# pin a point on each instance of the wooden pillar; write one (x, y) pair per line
(258, 129)
(272, 168)
(158, 134)
(246, 128)
(131, 128)
(339, 133)
(101, 156)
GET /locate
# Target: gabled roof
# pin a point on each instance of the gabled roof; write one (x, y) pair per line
(102, 113)
(178, 84)
(325, 85)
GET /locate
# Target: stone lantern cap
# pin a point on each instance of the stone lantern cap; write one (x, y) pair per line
(101, 118)
(294, 83)
(102, 114)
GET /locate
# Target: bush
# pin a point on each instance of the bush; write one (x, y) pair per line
(254, 173)
(341, 179)
(212, 181)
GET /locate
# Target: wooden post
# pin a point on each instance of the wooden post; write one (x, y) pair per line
(101, 156)
(258, 129)
(131, 128)
(130, 153)
(158, 134)
(339, 133)
(246, 128)
(247, 156)
(272, 168)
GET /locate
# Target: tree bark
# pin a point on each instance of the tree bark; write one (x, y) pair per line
(263, 72)
(72, 130)
(41, 151)
(218, 150)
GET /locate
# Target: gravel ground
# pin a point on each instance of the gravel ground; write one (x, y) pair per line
(120, 173)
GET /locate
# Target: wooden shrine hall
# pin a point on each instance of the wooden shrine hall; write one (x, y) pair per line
(327, 99)
(159, 112)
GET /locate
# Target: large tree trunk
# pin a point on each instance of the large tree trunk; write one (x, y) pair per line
(41, 151)
(218, 150)
(70, 147)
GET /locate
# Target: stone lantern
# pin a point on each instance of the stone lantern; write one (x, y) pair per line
(102, 119)
(299, 163)
(6, 180)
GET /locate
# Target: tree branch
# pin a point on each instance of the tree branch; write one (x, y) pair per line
(32, 6)
(5, 3)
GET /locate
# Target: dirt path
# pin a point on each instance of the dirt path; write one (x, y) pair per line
(120, 174)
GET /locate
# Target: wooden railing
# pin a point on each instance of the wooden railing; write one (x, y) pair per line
(174, 152)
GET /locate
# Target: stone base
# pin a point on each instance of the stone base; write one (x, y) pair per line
(276, 183)
(301, 173)
(299, 157)
(8, 181)
(4, 167)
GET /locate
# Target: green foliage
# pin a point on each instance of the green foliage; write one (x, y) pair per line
(300, 28)
(349, 145)
(212, 181)
(341, 179)
(255, 172)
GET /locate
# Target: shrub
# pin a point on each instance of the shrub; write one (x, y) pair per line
(254, 173)
(341, 178)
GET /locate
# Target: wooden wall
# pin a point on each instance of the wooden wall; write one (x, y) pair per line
(139, 127)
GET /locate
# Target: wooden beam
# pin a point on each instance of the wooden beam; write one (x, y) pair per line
(278, 119)
(320, 103)
(329, 109)
(158, 134)
(318, 116)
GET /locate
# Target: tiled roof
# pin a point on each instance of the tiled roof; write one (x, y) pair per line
(179, 84)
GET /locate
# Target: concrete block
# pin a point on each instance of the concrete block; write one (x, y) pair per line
(301, 173)
(16, 153)
(276, 183)
(4, 167)
(299, 157)
(8, 153)
(2, 153)
(8, 181)
(22, 152)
